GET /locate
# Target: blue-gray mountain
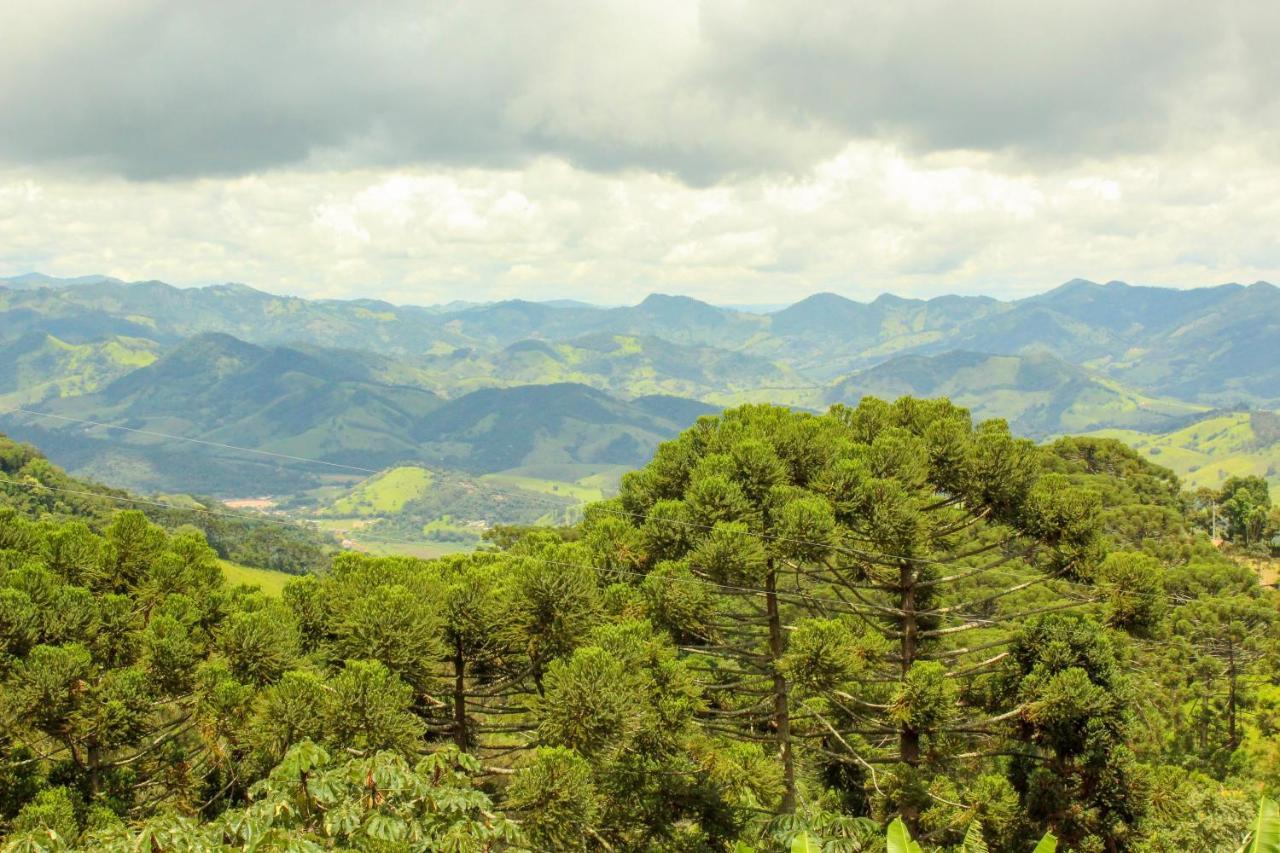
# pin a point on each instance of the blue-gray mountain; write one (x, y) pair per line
(492, 387)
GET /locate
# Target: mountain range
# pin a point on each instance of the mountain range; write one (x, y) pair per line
(516, 385)
(1211, 345)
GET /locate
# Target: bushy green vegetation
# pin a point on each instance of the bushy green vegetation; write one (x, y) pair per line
(33, 485)
(881, 628)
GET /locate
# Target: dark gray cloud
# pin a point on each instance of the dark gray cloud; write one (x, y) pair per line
(158, 90)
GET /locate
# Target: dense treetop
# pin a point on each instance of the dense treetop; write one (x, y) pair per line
(788, 629)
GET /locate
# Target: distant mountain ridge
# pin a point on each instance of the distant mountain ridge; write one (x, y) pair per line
(557, 398)
(1217, 345)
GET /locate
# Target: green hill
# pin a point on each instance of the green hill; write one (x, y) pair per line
(1038, 394)
(499, 428)
(38, 366)
(385, 493)
(341, 407)
(272, 583)
(1226, 353)
(1208, 451)
(413, 503)
(34, 487)
(323, 404)
(1218, 345)
(617, 363)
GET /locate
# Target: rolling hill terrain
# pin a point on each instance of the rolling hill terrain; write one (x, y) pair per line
(1209, 450)
(334, 406)
(1038, 394)
(1214, 345)
(39, 366)
(554, 398)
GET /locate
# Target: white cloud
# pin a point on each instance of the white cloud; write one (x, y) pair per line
(731, 149)
(870, 219)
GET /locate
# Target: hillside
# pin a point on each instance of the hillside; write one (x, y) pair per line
(38, 366)
(1227, 353)
(1038, 394)
(618, 363)
(826, 334)
(580, 390)
(1208, 451)
(169, 314)
(409, 504)
(335, 406)
(327, 405)
(499, 428)
(34, 487)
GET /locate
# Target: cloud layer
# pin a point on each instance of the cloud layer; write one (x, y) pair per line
(735, 150)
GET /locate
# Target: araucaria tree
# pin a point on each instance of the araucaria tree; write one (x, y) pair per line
(787, 630)
(849, 586)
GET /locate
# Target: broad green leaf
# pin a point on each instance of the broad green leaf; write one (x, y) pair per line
(385, 827)
(899, 839)
(1048, 844)
(1265, 834)
(802, 843)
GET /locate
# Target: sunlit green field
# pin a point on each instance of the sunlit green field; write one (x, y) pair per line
(385, 493)
(1208, 452)
(271, 583)
(579, 491)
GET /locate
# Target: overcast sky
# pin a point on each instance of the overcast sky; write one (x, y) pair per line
(734, 151)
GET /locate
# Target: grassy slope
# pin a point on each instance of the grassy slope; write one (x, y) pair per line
(384, 494)
(1209, 451)
(56, 368)
(580, 492)
(271, 583)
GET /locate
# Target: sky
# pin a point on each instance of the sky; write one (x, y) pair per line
(734, 151)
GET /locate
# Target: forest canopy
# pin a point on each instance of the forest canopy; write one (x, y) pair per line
(840, 631)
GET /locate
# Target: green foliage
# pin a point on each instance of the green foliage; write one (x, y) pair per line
(31, 485)
(898, 839)
(556, 798)
(789, 631)
(1264, 835)
(51, 815)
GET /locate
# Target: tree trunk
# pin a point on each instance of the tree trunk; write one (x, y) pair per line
(908, 737)
(460, 734)
(1233, 738)
(781, 707)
